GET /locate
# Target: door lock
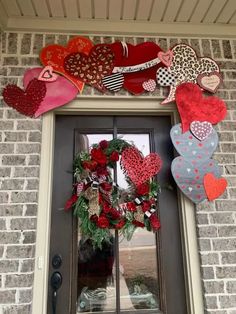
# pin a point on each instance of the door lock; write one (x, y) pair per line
(56, 261)
(56, 281)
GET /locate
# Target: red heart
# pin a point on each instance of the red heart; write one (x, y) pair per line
(26, 102)
(192, 106)
(144, 52)
(54, 56)
(93, 68)
(214, 187)
(140, 169)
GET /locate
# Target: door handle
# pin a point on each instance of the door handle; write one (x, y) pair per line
(56, 281)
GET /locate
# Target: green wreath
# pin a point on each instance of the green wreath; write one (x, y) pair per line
(101, 205)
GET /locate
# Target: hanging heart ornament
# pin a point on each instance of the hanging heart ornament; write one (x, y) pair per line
(139, 168)
(201, 130)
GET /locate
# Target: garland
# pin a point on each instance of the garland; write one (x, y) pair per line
(101, 205)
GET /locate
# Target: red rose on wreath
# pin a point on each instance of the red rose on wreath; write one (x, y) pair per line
(120, 224)
(114, 214)
(143, 189)
(106, 208)
(131, 206)
(98, 155)
(114, 156)
(90, 165)
(71, 201)
(138, 223)
(103, 144)
(102, 171)
(154, 221)
(145, 206)
(106, 186)
(102, 222)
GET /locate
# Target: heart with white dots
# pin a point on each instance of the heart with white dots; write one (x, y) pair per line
(201, 130)
(189, 176)
(190, 147)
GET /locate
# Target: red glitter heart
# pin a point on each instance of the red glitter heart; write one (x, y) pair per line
(26, 102)
(138, 168)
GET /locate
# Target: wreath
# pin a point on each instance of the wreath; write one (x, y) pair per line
(101, 205)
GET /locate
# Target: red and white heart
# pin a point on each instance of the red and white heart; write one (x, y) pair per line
(214, 187)
(138, 168)
(47, 74)
(201, 130)
(209, 81)
(149, 85)
(166, 57)
(25, 101)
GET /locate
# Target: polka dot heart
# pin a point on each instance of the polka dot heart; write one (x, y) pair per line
(165, 77)
(149, 85)
(201, 130)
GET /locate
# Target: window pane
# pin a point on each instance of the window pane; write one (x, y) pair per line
(96, 270)
(138, 257)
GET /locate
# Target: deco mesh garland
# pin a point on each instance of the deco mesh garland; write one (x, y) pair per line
(101, 205)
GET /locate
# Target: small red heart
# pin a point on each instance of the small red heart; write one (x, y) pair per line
(166, 57)
(141, 53)
(138, 168)
(192, 106)
(93, 68)
(26, 102)
(214, 187)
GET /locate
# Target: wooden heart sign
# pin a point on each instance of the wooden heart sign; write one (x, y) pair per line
(138, 168)
(54, 55)
(209, 82)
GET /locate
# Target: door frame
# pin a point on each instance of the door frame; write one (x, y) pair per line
(107, 106)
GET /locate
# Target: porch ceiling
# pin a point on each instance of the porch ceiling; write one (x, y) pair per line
(195, 17)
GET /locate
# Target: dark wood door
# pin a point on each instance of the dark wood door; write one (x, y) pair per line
(167, 294)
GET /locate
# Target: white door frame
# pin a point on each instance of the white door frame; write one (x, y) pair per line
(103, 106)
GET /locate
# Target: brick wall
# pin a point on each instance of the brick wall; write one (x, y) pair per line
(20, 139)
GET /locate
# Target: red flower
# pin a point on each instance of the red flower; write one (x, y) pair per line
(101, 171)
(138, 223)
(145, 206)
(71, 202)
(106, 208)
(143, 189)
(90, 165)
(98, 155)
(131, 206)
(114, 213)
(120, 224)
(106, 186)
(114, 156)
(102, 222)
(154, 221)
(103, 144)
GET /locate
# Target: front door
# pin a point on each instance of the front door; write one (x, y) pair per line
(144, 275)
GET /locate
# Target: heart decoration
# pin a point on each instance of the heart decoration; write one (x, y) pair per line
(214, 187)
(138, 168)
(113, 82)
(136, 55)
(201, 130)
(192, 106)
(25, 101)
(47, 74)
(190, 147)
(58, 93)
(189, 176)
(165, 77)
(186, 67)
(93, 68)
(54, 55)
(210, 81)
(149, 85)
(166, 57)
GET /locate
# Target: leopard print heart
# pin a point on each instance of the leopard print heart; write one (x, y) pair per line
(93, 68)
(138, 168)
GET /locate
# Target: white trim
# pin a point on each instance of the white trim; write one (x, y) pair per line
(89, 26)
(100, 106)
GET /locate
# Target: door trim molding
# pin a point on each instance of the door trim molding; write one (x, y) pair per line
(187, 216)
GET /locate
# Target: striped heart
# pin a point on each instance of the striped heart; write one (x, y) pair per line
(113, 82)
